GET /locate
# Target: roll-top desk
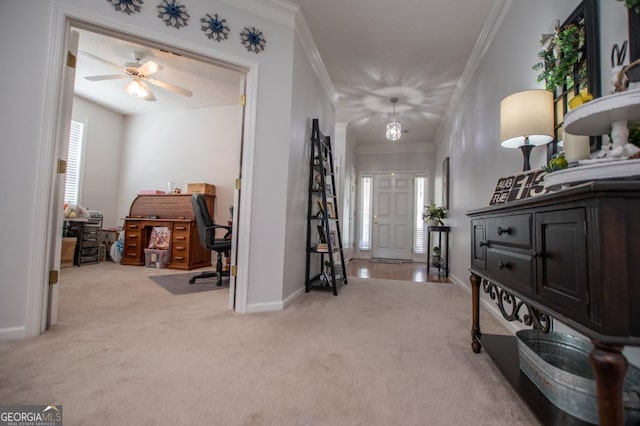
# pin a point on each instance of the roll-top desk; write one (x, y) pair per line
(573, 255)
(176, 213)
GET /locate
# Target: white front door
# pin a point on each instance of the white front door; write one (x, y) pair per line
(392, 216)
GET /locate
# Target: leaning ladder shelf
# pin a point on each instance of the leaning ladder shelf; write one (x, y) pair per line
(323, 219)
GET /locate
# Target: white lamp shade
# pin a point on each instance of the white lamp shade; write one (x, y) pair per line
(526, 114)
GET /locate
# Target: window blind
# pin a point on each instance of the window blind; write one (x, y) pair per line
(72, 181)
(419, 245)
(365, 214)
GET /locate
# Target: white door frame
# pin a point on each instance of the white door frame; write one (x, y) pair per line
(47, 215)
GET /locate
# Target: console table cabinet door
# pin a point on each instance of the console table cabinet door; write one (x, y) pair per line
(561, 246)
(479, 244)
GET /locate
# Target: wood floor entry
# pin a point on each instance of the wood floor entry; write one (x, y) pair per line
(408, 271)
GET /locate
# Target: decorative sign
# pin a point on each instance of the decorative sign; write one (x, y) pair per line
(519, 186)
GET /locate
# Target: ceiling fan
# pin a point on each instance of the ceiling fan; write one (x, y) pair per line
(139, 75)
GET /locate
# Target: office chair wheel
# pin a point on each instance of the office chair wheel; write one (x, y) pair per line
(192, 280)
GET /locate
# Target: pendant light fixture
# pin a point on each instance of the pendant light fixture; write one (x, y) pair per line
(394, 130)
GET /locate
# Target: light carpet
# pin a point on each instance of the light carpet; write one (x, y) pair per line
(383, 352)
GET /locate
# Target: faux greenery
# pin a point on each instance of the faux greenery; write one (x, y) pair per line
(634, 134)
(431, 212)
(560, 56)
(632, 4)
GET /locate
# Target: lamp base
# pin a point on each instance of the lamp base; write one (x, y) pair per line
(526, 152)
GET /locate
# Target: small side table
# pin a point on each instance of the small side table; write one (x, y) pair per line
(440, 230)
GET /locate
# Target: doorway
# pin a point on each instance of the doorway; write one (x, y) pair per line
(235, 196)
(392, 216)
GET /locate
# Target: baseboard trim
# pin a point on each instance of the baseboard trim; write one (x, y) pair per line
(253, 308)
(292, 297)
(13, 333)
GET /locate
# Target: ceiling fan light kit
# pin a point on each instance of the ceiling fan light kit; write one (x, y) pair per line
(394, 129)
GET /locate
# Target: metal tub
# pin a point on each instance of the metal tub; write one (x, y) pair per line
(558, 364)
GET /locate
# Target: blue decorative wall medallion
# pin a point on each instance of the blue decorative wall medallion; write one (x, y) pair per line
(173, 13)
(215, 27)
(253, 39)
(127, 6)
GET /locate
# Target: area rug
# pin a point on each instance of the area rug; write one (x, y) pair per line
(388, 261)
(179, 283)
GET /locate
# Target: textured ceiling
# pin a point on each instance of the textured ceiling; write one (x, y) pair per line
(415, 50)
(373, 50)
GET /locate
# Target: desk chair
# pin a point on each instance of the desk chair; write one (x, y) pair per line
(207, 236)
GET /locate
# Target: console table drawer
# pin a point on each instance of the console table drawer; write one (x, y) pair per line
(511, 268)
(512, 230)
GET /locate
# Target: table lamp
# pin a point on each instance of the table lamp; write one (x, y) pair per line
(526, 121)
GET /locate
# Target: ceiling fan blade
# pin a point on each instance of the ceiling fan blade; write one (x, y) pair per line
(149, 68)
(104, 61)
(104, 77)
(171, 87)
(150, 96)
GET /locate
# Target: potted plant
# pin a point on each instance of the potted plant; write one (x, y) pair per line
(433, 215)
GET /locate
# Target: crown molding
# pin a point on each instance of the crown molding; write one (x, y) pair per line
(280, 11)
(395, 148)
(309, 45)
(289, 14)
(491, 26)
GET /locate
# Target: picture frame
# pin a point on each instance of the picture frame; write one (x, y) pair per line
(334, 240)
(330, 210)
(445, 183)
(320, 209)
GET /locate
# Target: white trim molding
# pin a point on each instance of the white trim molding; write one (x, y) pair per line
(13, 333)
(491, 26)
(309, 45)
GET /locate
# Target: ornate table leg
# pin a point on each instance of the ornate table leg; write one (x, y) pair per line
(475, 313)
(610, 367)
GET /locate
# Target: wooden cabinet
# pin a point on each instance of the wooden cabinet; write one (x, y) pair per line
(572, 255)
(175, 212)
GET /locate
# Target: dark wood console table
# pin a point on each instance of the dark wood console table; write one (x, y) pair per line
(573, 255)
(176, 213)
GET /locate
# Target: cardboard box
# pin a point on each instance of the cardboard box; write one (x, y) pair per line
(151, 192)
(158, 259)
(205, 188)
(68, 251)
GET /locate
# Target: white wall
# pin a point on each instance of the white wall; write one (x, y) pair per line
(345, 151)
(471, 137)
(394, 162)
(309, 101)
(189, 146)
(100, 178)
(30, 91)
